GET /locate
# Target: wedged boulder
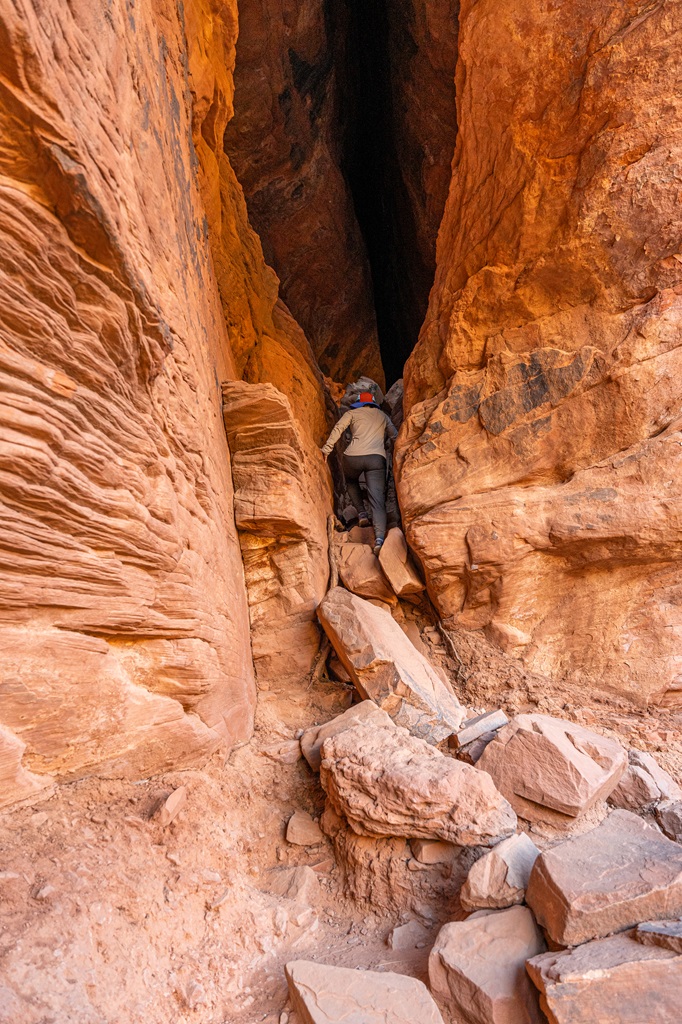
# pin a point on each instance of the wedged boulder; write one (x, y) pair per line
(477, 968)
(386, 668)
(326, 995)
(669, 817)
(544, 765)
(313, 738)
(609, 980)
(361, 573)
(643, 783)
(398, 566)
(499, 878)
(388, 783)
(667, 934)
(618, 875)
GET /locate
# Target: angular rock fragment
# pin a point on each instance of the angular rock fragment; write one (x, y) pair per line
(312, 739)
(302, 830)
(667, 934)
(398, 566)
(669, 817)
(326, 995)
(433, 851)
(386, 668)
(616, 876)
(471, 753)
(407, 936)
(284, 751)
(477, 968)
(610, 980)
(388, 783)
(544, 765)
(500, 877)
(473, 728)
(361, 573)
(644, 782)
(171, 806)
(296, 883)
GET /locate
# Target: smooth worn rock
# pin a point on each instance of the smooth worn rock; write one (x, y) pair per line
(302, 830)
(643, 783)
(433, 851)
(609, 980)
(388, 783)
(171, 806)
(361, 573)
(545, 765)
(326, 995)
(669, 817)
(477, 968)
(312, 739)
(473, 728)
(386, 668)
(621, 873)
(398, 566)
(500, 877)
(667, 934)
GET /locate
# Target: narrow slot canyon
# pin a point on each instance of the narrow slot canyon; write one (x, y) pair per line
(254, 764)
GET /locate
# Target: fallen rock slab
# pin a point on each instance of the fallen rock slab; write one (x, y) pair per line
(477, 968)
(433, 851)
(544, 765)
(296, 883)
(388, 783)
(667, 934)
(669, 817)
(327, 995)
(481, 725)
(361, 573)
(398, 566)
(643, 783)
(499, 878)
(407, 936)
(614, 980)
(302, 830)
(386, 668)
(618, 875)
(312, 739)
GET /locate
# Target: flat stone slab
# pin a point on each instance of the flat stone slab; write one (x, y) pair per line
(386, 668)
(499, 879)
(330, 995)
(667, 934)
(398, 566)
(548, 767)
(477, 968)
(620, 874)
(388, 783)
(312, 739)
(474, 728)
(610, 981)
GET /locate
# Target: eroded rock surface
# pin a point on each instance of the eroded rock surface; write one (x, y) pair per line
(388, 783)
(366, 712)
(500, 877)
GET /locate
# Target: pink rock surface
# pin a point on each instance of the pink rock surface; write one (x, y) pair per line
(398, 565)
(666, 934)
(388, 783)
(361, 573)
(618, 875)
(549, 768)
(614, 979)
(500, 877)
(366, 712)
(386, 668)
(477, 968)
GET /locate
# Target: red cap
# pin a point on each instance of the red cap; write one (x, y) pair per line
(366, 396)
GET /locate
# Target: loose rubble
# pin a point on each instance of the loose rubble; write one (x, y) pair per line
(499, 879)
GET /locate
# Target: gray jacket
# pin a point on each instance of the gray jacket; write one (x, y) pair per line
(369, 427)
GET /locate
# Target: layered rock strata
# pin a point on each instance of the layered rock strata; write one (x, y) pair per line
(538, 471)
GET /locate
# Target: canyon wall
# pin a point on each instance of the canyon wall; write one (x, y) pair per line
(285, 144)
(539, 467)
(124, 625)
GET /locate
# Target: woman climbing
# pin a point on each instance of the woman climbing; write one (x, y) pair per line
(370, 428)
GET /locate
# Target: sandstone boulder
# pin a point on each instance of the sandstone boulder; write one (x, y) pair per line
(388, 783)
(500, 878)
(302, 830)
(313, 738)
(669, 817)
(386, 668)
(616, 876)
(398, 566)
(667, 934)
(361, 573)
(545, 765)
(326, 995)
(474, 728)
(433, 851)
(609, 980)
(477, 968)
(643, 783)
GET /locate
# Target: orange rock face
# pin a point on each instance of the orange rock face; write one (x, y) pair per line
(539, 466)
(284, 143)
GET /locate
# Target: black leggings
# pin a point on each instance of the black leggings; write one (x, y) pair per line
(374, 468)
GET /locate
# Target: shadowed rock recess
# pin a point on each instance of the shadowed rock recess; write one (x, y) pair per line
(255, 765)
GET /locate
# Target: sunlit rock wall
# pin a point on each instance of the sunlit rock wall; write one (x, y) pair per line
(539, 468)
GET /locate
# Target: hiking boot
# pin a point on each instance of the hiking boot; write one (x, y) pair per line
(363, 522)
(377, 545)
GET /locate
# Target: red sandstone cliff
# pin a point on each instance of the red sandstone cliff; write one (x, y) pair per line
(539, 465)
